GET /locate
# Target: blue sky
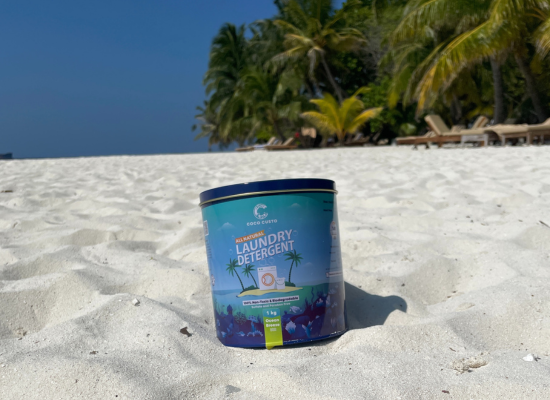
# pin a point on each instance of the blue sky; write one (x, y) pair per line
(88, 78)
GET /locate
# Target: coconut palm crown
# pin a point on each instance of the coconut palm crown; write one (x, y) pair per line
(333, 118)
(313, 36)
(248, 271)
(296, 259)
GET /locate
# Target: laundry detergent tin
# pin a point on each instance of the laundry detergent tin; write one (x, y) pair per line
(274, 261)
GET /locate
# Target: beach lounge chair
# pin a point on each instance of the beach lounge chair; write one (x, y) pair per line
(415, 140)
(271, 141)
(524, 131)
(440, 133)
(540, 131)
(457, 134)
(357, 140)
(287, 145)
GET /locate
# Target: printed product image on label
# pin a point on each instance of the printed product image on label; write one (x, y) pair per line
(275, 269)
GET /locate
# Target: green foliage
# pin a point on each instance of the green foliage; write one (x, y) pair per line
(311, 33)
(400, 119)
(251, 287)
(459, 59)
(466, 34)
(340, 119)
(232, 270)
(248, 271)
(296, 259)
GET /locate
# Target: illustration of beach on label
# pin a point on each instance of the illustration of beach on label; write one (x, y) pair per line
(275, 268)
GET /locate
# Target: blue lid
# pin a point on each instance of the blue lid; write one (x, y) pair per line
(266, 186)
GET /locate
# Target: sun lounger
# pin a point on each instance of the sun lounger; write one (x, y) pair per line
(440, 132)
(456, 134)
(358, 140)
(480, 122)
(540, 131)
(415, 140)
(287, 145)
(524, 131)
(507, 132)
(273, 140)
(247, 148)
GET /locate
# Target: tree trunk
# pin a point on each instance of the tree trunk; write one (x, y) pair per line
(240, 279)
(290, 272)
(499, 114)
(278, 131)
(309, 90)
(531, 84)
(337, 88)
(456, 111)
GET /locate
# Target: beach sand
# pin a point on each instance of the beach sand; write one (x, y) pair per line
(446, 261)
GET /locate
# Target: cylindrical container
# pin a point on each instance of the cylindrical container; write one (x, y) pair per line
(274, 260)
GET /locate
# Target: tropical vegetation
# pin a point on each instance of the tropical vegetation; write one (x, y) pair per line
(248, 270)
(376, 67)
(232, 270)
(340, 119)
(296, 259)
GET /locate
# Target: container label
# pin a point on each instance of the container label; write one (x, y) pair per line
(272, 328)
(279, 251)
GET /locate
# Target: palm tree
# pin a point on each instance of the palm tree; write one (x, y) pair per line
(274, 100)
(296, 259)
(486, 30)
(312, 36)
(247, 271)
(232, 269)
(209, 127)
(229, 56)
(334, 118)
(426, 31)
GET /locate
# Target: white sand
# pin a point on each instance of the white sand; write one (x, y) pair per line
(446, 261)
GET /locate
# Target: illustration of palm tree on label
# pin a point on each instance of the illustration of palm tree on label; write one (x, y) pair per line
(232, 269)
(296, 259)
(247, 271)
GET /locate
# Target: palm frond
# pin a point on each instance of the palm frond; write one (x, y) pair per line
(511, 10)
(287, 27)
(466, 50)
(328, 106)
(399, 85)
(362, 118)
(421, 14)
(348, 112)
(291, 53)
(322, 122)
(296, 14)
(542, 38)
(348, 6)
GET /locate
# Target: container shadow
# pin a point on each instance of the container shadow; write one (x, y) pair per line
(365, 310)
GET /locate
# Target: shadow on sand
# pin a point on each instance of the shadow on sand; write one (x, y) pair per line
(366, 309)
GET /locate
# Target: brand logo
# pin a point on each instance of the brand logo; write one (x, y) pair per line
(268, 279)
(258, 213)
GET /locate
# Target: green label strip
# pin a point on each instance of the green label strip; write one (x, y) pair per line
(272, 328)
